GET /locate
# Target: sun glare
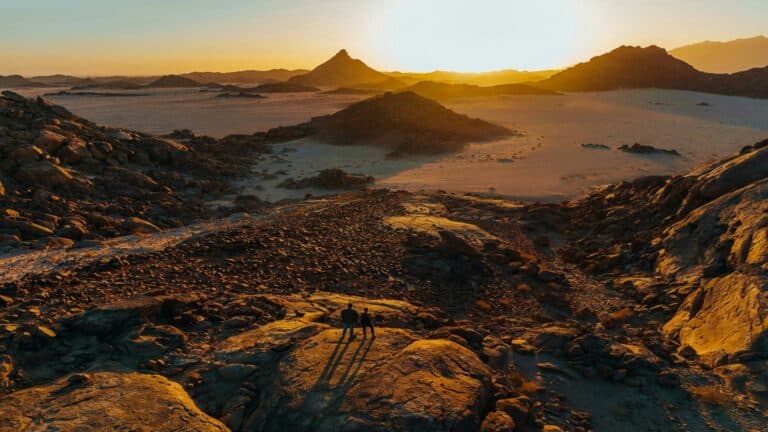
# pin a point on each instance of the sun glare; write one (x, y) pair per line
(478, 36)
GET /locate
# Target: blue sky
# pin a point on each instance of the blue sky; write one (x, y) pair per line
(164, 36)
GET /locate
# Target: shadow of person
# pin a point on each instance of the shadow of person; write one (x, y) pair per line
(346, 380)
(333, 362)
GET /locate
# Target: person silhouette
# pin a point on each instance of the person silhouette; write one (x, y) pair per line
(348, 320)
(367, 322)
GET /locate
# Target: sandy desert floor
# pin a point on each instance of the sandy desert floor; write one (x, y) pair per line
(546, 163)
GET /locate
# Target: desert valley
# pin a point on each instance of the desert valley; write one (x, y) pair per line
(573, 249)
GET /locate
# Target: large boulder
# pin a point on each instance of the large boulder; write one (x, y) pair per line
(729, 231)
(105, 401)
(43, 173)
(74, 151)
(431, 385)
(724, 319)
(392, 382)
(49, 141)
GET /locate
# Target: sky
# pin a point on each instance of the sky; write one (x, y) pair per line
(146, 37)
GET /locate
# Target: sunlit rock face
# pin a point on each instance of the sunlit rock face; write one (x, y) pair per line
(105, 401)
(723, 319)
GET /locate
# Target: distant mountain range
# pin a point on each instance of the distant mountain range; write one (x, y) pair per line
(341, 70)
(492, 78)
(653, 67)
(245, 77)
(624, 67)
(725, 57)
(444, 91)
(14, 81)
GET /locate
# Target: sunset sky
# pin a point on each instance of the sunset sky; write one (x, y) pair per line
(100, 37)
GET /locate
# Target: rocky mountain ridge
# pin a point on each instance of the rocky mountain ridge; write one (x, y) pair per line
(653, 67)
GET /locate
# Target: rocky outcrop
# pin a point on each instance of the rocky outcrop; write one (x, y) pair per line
(57, 168)
(105, 401)
(404, 123)
(724, 320)
(332, 178)
(638, 148)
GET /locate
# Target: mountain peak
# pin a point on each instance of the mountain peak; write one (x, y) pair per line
(340, 70)
(342, 54)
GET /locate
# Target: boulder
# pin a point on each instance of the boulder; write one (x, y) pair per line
(43, 173)
(136, 225)
(105, 321)
(105, 401)
(393, 382)
(49, 141)
(256, 346)
(74, 151)
(497, 421)
(726, 317)
(72, 228)
(162, 150)
(551, 338)
(431, 385)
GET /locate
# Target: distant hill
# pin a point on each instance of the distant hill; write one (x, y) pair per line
(443, 91)
(725, 57)
(653, 67)
(15, 81)
(507, 76)
(405, 123)
(340, 71)
(169, 81)
(117, 84)
(285, 87)
(245, 77)
(625, 67)
(61, 80)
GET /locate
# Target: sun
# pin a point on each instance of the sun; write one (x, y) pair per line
(481, 35)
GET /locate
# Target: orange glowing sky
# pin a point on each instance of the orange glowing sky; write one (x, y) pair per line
(89, 37)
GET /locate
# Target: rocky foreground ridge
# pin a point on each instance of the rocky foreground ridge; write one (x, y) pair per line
(641, 307)
(64, 179)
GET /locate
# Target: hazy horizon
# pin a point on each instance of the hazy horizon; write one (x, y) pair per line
(90, 38)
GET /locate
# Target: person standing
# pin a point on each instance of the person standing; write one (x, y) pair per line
(349, 318)
(367, 322)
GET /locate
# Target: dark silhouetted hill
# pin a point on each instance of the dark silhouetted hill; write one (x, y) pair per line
(404, 122)
(169, 81)
(341, 70)
(15, 81)
(652, 67)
